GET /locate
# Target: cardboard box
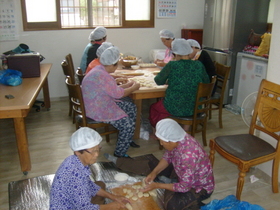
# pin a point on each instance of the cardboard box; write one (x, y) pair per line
(27, 63)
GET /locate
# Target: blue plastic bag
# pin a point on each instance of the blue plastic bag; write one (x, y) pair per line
(230, 203)
(10, 77)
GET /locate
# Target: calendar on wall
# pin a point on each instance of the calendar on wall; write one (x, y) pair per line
(166, 9)
(8, 22)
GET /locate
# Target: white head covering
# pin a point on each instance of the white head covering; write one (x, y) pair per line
(193, 43)
(164, 33)
(98, 33)
(84, 138)
(169, 130)
(110, 56)
(103, 47)
(181, 47)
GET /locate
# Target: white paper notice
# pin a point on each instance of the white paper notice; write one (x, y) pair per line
(8, 23)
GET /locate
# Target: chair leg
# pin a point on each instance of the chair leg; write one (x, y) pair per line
(220, 115)
(240, 184)
(70, 107)
(275, 169)
(74, 118)
(210, 111)
(212, 151)
(204, 135)
(107, 136)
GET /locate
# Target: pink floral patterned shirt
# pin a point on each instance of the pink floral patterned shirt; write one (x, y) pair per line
(192, 166)
(100, 93)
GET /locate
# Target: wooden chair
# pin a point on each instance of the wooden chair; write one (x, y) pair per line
(67, 70)
(218, 97)
(247, 150)
(80, 75)
(200, 116)
(69, 60)
(80, 112)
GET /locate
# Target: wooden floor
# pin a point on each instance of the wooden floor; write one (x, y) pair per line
(49, 132)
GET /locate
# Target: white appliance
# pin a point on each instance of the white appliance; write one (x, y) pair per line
(250, 70)
(156, 54)
(226, 27)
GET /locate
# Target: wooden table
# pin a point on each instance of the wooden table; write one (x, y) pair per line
(19, 107)
(143, 93)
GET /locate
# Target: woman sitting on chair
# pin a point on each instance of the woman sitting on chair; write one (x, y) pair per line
(182, 76)
(102, 100)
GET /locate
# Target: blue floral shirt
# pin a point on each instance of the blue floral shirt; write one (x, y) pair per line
(72, 187)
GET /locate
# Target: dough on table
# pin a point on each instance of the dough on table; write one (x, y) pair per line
(128, 206)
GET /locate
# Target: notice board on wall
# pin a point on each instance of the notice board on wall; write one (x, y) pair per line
(166, 9)
(8, 22)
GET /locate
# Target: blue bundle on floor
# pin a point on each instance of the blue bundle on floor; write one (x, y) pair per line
(230, 203)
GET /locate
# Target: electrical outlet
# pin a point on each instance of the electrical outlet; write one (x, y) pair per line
(230, 92)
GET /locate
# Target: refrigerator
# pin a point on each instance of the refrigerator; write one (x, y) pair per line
(251, 71)
(226, 28)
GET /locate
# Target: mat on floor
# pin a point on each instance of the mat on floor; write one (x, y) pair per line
(33, 193)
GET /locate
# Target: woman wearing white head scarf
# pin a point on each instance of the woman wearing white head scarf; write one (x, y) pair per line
(102, 97)
(166, 37)
(203, 57)
(96, 37)
(72, 187)
(182, 76)
(99, 51)
(191, 165)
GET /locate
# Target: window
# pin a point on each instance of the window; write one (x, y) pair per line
(77, 14)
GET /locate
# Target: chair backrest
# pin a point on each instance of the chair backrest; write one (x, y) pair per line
(69, 60)
(76, 98)
(68, 71)
(222, 78)
(266, 117)
(80, 74)
(203, 97)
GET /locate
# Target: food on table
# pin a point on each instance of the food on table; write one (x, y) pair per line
(147, 65)
(138, 199)
(140, 194)
(133, 74)
(128, 206)
(135, 198)
(144, 81)
(129, 58)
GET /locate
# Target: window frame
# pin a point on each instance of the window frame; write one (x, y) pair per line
(56, 25)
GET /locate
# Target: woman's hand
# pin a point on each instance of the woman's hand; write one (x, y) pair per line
(150, 178)
(119, 202)
(121, 199)
(160, 63)
(151, 186)
(121, 80)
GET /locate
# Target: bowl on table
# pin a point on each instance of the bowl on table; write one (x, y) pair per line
(121, 177)
(128, 61)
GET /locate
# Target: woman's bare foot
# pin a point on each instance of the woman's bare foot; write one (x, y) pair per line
(152, 136)
(186, 127)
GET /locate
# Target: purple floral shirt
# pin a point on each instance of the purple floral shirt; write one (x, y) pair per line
(72, 187)
(192, 166)
(100, 93)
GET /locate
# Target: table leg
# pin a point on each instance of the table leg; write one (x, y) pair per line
(46, 94)
(138, 104)
(22, 144)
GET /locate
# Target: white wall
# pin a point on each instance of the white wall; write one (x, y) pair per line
(54, 45)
